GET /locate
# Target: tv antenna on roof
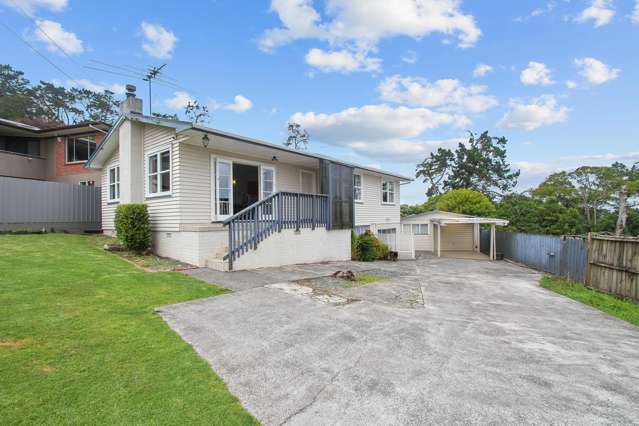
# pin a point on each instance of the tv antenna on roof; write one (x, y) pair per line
(153, 73)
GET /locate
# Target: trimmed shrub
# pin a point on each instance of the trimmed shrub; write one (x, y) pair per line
(370, 248)
(354, 246)
(133, 227)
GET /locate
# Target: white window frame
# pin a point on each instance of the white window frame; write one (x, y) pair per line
(272, 169)
(216, 199)
(361, 188)
(115, 167)
(66, 148)
(147, 175)
(387, 182)
(419, 227)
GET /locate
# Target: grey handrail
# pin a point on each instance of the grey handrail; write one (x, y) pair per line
(281, 210)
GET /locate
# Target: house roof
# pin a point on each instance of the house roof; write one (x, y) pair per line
(16, 128)
(186, 128)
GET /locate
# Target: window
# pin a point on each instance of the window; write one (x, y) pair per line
(388, 192)
(86, 183)
(114, 183)
(159, 173)
(416, 229)
(80, 148)
(268, 187)
(18, 145)
(357, 188)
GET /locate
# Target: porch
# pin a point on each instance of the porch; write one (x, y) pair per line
(459, 237)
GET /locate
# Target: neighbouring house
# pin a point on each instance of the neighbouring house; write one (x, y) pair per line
(54, 154)
(449, 234)
(227, 201)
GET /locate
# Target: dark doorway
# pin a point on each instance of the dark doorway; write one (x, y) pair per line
(246, 189)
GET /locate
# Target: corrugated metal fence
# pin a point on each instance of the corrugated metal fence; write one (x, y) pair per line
(565, 256)
(34, 205)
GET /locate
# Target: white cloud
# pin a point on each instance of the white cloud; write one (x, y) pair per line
(56, 38)
(481, 70)
(632, 155)
(447, 94)
(410, 57)
(600, 11)
(571, 84)
(635, 13)
(541, 111)
(158, 41)
(28, 7)
(537, 73)
(595, 71)
(240, 104)
(179, 101)
(365, 24)
(342, 61)
(118, 89)
(376, 131)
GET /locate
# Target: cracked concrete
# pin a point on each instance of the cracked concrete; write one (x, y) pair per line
(488, 346)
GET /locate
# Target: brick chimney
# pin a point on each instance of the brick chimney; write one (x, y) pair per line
(131, 103)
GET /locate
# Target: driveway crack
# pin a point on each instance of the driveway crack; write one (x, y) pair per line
(323, 388)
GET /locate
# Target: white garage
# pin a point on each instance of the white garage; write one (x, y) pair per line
(449, 234)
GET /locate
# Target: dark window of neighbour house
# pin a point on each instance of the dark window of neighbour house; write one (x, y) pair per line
(20, 145)
(80, 148)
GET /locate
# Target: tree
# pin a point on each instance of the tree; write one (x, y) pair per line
(15, 96)
(430, 204)
(625, 182)
(297, 138)
(535, 216)
(465, 201)
(196, 113)
(479, 164)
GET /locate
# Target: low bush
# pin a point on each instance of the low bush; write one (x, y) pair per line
(133, 227)
(369, 248)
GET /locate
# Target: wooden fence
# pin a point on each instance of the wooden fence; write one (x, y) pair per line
(613, 265)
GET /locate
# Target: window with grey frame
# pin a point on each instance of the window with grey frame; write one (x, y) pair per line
(80, 148)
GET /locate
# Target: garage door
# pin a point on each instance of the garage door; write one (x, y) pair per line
(457, 237)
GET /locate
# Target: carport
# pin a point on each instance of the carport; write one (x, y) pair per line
(459, 236)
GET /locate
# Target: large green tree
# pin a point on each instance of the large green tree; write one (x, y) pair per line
(46, 104)
(465, 201)
(479, 164)
(536, 216)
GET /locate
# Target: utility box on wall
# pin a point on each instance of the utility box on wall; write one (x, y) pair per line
(336, 181)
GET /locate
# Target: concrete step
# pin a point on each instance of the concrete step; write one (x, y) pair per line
(217, 264)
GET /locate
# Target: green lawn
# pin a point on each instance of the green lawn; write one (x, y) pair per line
(80, 343)
(623, 309)
(363, 279)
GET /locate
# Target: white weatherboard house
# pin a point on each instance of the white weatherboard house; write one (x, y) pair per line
(229, 202)
(450, 234)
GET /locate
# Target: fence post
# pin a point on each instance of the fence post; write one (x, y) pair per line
(313, 212)
(589, 257)
(279, 212)
(231, 251)
(297, 208)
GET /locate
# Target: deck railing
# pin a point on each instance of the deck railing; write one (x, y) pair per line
(281, 210)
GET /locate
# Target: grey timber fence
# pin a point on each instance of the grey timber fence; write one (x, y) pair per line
(35, 205)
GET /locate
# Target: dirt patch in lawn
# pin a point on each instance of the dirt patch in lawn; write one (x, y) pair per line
(14, 344)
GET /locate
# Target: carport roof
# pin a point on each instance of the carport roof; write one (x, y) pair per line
(469, 219)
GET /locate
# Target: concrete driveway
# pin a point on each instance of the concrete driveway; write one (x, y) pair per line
(486, 344)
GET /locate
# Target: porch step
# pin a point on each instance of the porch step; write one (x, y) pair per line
(217, 264)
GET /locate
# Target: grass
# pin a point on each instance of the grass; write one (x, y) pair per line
(363, 279)
(81, 344)
(147, 261)
(620, 308)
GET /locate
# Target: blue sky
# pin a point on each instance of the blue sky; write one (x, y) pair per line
(374, 84)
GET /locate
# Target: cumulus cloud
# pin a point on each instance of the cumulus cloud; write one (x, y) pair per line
(481, 70)
(178, 101)
(600, 12)
(240, 104)
(118, 89)
(342, 61)
(158, 41)
(539, 112)
(56, 38)
(448, 95)
(380, 131)
(360, 26)
(595, 71)
(536, 74)
(28, 7)
(571, 84)
(410, 57)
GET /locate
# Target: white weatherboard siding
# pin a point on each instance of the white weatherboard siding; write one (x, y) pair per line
(371, 210)
(108, 209)
(164, 210)
(194, 185)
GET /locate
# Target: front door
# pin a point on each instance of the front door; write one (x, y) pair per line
(245, 186)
